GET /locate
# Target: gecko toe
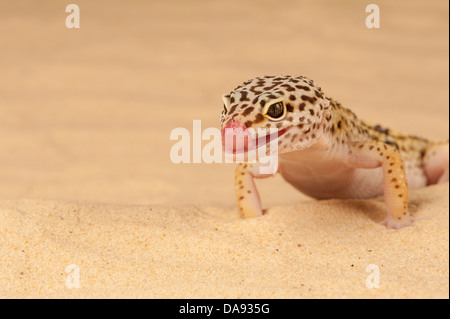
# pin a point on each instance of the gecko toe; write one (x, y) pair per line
(390, 223)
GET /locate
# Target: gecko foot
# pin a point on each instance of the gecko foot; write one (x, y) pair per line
(391, 223)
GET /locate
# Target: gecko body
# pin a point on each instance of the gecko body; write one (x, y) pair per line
(324, 149)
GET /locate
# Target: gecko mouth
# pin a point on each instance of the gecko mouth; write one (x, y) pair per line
(240, 141)
(263, 140)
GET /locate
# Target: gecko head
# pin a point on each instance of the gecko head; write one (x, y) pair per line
(286, 109)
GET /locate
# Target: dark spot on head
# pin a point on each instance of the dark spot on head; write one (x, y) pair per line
(268, 88)
(318, 94)
(259, 118)
(302, 87)
(244, 96)
(253, 89)
(302, 106)
(288, 87)
(248, 111)
(311, 111)
(309, 99)
(292, 97)
(248, 124)
(289, 107)
(233, 108)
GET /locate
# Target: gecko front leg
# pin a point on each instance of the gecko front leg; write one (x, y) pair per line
(377, 154)
(247, 195)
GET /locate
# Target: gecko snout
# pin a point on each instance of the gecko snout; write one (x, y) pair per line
(236, 138)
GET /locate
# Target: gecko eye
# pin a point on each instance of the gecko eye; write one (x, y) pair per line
(276, 111)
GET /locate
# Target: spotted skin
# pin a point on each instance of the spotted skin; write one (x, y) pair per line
(325, 151)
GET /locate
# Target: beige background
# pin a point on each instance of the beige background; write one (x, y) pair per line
(85, 118)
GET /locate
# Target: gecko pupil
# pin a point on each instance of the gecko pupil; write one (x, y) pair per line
(276, 110)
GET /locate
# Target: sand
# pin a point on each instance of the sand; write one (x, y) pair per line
(88, 190)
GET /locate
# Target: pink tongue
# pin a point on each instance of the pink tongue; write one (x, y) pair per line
(236, 138)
